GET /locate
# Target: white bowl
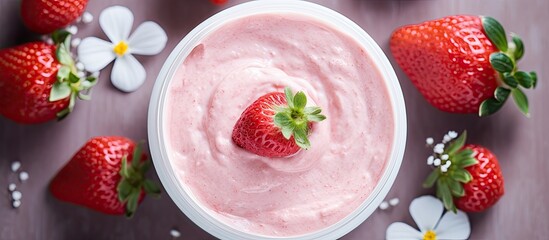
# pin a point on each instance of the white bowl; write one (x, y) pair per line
(181, 194)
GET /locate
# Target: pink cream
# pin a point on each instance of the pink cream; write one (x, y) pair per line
(247, 58)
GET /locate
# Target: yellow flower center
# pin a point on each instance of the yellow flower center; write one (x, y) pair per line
(430, 235)
(121, 48)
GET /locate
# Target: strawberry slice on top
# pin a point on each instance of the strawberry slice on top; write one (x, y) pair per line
(276, 124)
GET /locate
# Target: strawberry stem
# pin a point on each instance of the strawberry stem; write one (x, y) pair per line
(505, 63)
(294, 119)
(133, 181)
(69, 84)
(449, 173)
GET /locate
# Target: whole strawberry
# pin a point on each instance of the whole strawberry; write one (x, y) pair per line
(276, 125)
(107, 174)
(38, 81)
(466, 176)
(46, 16)
(463, 64)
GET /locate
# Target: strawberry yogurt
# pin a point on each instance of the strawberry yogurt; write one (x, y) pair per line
(254, 55)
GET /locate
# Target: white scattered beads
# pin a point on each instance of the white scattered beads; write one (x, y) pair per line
(87, 17)
(72, 29)
(16, 204)
(443, 169)
(452, 134)
(447, 164)
(384, 205)
(12, 187)
(23, 176)
(174, 233)
(16, 195)
(15, 166)
(75, 42)
(80, 74)
(393, 202)
(79, 66)
(49, 41)
(429, 141)
(439, 148)
(95, 74)
(444, 157)
(437, 162)
(446, 138)
(430, 160)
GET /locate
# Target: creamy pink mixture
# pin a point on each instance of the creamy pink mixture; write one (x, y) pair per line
(255, 55)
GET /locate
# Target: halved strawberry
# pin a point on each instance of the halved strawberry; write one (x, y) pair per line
(276, 125)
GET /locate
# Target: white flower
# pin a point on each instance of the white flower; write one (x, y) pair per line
(426, 212)
(127, 73)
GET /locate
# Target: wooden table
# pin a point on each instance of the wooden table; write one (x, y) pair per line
(518, 142)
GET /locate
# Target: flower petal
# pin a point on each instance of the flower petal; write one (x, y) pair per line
(426, 211)
(116, 22)
(453, 226)
(95, 53)
(148, 39)
(127, 74)
(402, 231)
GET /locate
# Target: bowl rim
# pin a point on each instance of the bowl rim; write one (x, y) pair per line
(187, 203)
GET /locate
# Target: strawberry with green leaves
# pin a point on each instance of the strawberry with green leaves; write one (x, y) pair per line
(276, 124)
(467, 177)
(463, 64)
(39, 82)
(107, 175)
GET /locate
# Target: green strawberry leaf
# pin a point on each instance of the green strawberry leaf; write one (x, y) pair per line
(521, 100)
(131, 204)
(59, 36)
(519, 47)
(501, 62)
(151, 188)
(467, 162)
(431, 179)
(59, 91)
(64, 56)
(456, 188)
(63, 73)
(501, 94)
(462, 175)
(495, 32)
(524, 79)
(510, 80)
(124, 189)
(489, 107)
(534, 77)
(73, 78)
(300, 100)
(136, 160)
(289, 97)
(446, 195)
(457, 144)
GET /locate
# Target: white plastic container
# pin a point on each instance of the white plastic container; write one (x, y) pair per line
(180, 193)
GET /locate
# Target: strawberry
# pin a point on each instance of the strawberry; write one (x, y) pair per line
(38, 81)
(107, 174)
(46, 16)
(463, 64)
(276, 124)
(466, 176)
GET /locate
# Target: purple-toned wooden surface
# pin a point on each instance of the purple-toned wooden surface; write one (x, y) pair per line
(519, 142)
